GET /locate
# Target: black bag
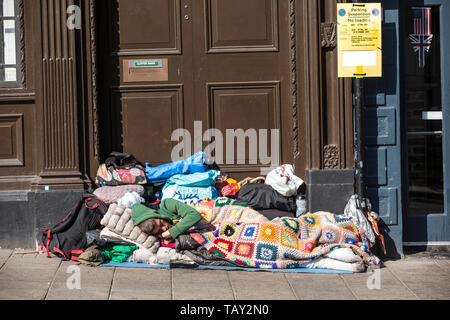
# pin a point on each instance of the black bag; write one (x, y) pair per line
(67, 239)
(120, 160)
(260, 196)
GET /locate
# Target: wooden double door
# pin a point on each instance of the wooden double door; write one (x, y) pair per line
(223, 64)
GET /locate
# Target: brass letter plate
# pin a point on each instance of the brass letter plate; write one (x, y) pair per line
(145, 70)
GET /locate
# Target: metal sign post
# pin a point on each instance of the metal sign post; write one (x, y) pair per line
(359, 56)
(358, 102)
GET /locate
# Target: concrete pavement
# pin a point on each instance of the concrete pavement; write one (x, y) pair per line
(36, 277)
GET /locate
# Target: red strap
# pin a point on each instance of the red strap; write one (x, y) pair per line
(31, 252)
(48, 242)
(93, 207)
(74, 258)
(59, 251)
(65, 218)
(42, 242)
(75, 251)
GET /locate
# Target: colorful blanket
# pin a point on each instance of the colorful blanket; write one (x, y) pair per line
(226, 209)
(282, 243)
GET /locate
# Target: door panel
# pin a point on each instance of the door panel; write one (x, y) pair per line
(382, 127)
(230, 106)
(381, 144)
(149, 27)
(241, 26)
(376, 168)
(385, 202)
(161, 112)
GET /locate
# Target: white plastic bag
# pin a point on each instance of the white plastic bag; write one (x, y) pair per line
(358, 218)
(284, 180)
(129, 199)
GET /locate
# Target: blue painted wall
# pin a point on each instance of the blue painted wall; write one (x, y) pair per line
(383, 134)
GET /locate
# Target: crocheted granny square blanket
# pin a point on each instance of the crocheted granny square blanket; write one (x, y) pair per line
(226, 209)
(282, 243)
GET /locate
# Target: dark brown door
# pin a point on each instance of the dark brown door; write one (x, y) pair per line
(138, 117)
(228, 69)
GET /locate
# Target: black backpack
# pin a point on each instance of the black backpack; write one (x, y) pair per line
(260, 196)
(67, 239)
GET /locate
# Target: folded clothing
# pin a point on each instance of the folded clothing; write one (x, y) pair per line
(163, 256)
(117, 253)
(112, 194)
(110, 176)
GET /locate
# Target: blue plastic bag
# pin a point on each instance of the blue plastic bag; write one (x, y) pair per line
(193, 164)
(189, 195)
(198, 179)
(192, 188)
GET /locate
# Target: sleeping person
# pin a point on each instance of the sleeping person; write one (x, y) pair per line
(168, 222)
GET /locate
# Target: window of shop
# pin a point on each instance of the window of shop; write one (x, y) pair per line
(424, 107)
(9, 61)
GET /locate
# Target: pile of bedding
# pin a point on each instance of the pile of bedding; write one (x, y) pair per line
(240, 236)
(235, 229)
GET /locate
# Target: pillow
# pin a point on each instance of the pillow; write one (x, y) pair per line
(118, 221)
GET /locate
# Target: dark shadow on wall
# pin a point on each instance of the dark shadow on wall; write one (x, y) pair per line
(108, 46)
(392, 252)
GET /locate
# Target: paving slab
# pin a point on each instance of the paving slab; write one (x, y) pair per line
(380, 284)
(444, 264)
(4, 255)
(27, 273)
(89, 276)
(201, 285)
(141, 284)
(18, 256)
(424, 277)
(23, 290)
(320, 287)
(60, 291)
(80, 282)
(261, 286)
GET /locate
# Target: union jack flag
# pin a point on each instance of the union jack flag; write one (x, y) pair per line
(422, 37)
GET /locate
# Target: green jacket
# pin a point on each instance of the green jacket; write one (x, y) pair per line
(117, 253)
(170, 210)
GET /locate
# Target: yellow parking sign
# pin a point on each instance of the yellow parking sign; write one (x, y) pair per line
(359, 40)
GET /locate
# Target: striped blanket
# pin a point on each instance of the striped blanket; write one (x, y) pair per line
(282, 243)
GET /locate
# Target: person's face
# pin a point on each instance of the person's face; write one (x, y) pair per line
(160, 227)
